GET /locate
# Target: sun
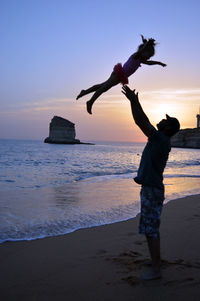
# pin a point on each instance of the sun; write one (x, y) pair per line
(159, 111)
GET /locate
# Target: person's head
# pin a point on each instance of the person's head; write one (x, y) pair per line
(169, 126)
(147, 48)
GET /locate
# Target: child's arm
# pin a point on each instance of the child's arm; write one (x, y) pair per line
(154, 63)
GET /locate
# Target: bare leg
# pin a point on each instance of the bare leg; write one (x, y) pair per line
(154, 249)
(89, 90)
(111, 82)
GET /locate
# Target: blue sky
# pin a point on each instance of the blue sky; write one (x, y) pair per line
(50, 50)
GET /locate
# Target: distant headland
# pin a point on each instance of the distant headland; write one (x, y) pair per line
(62, 131)
(187, 138)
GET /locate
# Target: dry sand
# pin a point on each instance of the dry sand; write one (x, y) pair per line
(104, 263)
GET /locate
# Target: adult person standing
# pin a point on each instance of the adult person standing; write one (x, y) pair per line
(150, 176)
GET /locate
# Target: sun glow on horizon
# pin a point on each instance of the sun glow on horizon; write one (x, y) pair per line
(111, 119)
(160, 110)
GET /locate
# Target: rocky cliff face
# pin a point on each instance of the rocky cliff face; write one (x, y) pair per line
(187, 138)
(61, 131)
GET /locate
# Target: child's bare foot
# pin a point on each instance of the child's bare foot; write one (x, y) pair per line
(82, 93)
(89, 106)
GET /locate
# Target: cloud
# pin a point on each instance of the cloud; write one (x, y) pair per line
(182, 95)
(44, 105)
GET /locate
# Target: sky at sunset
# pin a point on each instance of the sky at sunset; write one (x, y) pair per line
(51, 49)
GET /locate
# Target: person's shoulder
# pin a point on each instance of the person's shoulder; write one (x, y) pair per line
(159, 138)
(158, 135)
(154, 131)
(135, 56)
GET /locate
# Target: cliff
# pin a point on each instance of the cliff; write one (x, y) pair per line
(187, 138)
(62, 131)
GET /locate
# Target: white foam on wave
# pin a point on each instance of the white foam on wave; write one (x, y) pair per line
(31, 231)
(181, 176)
(84, 205)
(104, 178)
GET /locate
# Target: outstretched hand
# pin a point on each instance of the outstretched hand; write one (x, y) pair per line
(130, 94)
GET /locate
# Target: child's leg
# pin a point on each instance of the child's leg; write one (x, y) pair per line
(111, 82)
(89, 90)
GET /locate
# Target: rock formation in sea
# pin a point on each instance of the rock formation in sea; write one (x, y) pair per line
(62, 131)
(187, 138)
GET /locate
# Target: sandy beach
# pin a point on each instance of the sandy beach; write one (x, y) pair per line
(104, 263)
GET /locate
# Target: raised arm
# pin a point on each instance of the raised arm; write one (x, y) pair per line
(154, 63)
(139, 116)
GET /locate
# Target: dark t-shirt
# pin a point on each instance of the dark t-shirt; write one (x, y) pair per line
(154, 159)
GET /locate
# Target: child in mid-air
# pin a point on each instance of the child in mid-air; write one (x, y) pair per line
(121, 73)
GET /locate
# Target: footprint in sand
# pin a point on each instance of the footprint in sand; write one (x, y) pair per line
(138, 242)
(101, 251)
(180, 282)
(133, 262)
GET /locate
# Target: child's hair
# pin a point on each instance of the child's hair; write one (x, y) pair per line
(148, 45)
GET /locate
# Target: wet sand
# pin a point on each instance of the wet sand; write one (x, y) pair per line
(104, 263)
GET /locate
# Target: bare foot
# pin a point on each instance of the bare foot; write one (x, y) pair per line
(89, 106)
(82, 93)
(147, 263)
(151, 275)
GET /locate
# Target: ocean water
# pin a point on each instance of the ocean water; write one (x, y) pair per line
(48, 189)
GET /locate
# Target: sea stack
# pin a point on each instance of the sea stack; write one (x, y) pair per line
(62, 131)
(187, 138)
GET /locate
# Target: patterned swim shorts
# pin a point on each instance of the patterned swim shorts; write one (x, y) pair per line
(151, 207)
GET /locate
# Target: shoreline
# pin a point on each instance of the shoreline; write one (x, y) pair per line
(104, 262)
(79, 205)
(89, 227)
